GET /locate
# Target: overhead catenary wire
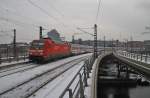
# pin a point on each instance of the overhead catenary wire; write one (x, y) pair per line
(98, 13)
(56, 10)
(85, 31)
(60, 13)
(2, 31)
(51, 16)
(5, 32)
(16, 14)
(145, 33)
(40, 8)
(35, 5)
(98, 10)
(44, 11)
(16, 22)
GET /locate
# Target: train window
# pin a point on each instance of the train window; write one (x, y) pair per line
(37, 44)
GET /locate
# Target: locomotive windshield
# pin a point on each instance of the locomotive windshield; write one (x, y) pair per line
(38, 44)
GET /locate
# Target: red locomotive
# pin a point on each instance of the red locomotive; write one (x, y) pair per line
(49, 48)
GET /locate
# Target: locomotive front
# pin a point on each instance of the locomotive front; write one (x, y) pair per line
(36, 51)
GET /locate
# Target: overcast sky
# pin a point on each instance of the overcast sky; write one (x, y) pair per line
(118, 19)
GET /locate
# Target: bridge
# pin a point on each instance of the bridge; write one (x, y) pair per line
(125, 62)
(90, 80)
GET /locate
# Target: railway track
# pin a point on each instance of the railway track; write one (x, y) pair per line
(12, 65)
(15, 69)
(29, 87)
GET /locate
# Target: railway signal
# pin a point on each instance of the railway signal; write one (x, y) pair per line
(95, 38)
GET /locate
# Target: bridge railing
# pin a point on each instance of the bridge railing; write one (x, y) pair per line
(138, 57)
(76, 87)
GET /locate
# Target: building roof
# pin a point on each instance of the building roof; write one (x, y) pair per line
(55, 36)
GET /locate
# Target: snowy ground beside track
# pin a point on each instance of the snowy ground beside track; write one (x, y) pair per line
(13, 62)
(56, 87)
(88, 90)
(17, 78)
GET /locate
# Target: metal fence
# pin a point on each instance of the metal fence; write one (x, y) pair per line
(76, 87)
(7, 53)
(139, 57)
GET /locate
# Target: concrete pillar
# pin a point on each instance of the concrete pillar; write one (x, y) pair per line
(118, 67)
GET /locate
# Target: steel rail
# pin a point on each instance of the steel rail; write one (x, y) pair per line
(12, 65)
(82, 75)
(54, 78)
(43, 74)
(25, 68)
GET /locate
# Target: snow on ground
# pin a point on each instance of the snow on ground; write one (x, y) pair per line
(56, 87)
(17, 78)
(31, 86)
(148, 60)
(15, 69)
(88, 90)
(12, 62)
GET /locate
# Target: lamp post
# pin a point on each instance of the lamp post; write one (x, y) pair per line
(95, 38)
(147, 28)
(104, 43)
(95, 41)
(40, 34)
(14, 43)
